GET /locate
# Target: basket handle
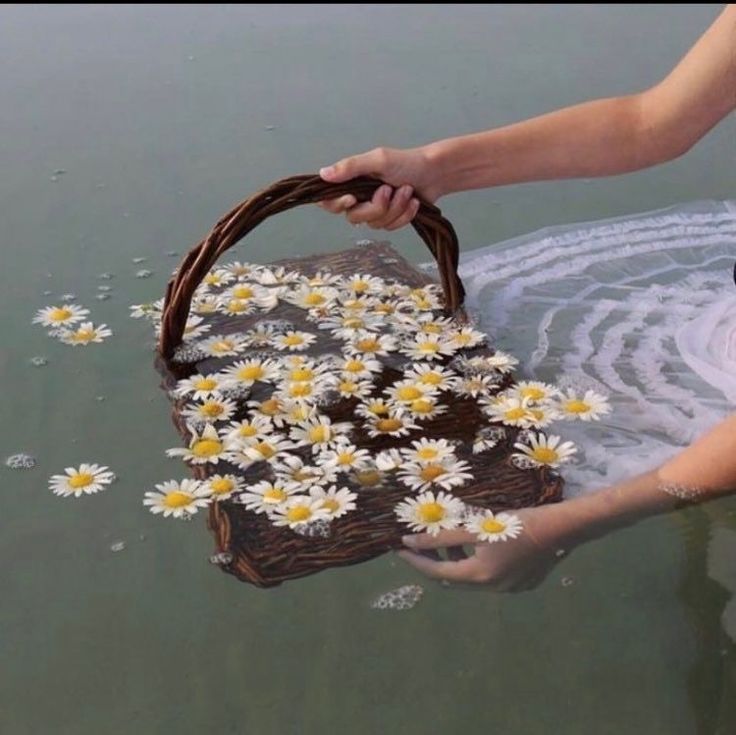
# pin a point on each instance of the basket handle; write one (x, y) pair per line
(436, 232)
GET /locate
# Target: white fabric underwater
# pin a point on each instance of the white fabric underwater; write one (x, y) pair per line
(641, 308)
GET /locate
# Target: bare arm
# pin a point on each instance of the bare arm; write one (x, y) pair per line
(597, 138)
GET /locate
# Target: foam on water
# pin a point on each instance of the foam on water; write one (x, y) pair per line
(642, 309)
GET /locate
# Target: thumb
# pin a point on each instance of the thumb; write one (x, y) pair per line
(348, 168)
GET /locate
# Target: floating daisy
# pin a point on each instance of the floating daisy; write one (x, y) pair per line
(510, 411)
(546, 450)
(541, 415)
(436, 376)
(85, 334)
(262, 451)
(534, 391)
(237, 307)
(487, 438)
(311, 297)
(248, 431)
(356, 304)
(588, 407)
(296, 341)
(491, 527)
(467, 337)
(350, 388)
(87, 479)
(299, 510)
(139, 311)
(427, 347)
(273, 408)
(368, 476)
(426, 450)
(204, 447)
(222, 487)
(215, 279)
(357, 367)
(389, 460)
(501, 361)
(424, 409)
(406, 391)
(444, 473)
(305, 370)
(375, 408)
(344, 457)
(301, 390)
(201, 386)
(364, 284)
(318, 432)
(430, 513)
(205, 304)
(278, 276)
(474, 385)
(396, 423)
(255, 370)
(336, 502)
(194, 328)
(210, 410)
(291, 468)
(244, 292)
(221, 346)
(265, 496)
(177, 499)
(370, 344)
(242, 271)
(348, 326)
(57, 317)
(323, 278)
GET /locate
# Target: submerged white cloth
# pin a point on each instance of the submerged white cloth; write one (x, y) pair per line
(640, 308)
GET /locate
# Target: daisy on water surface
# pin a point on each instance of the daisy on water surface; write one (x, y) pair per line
(489, 527)
(295, 340)
(534, 391)
(299, 510)
(60, 316)
(545, 450)
(395, 423)
(318, 432)
(428, 450)
(85, 480)
(344, 456)
(436, 376)
(85, 334)
(265, 496)
(427, 347)
(203, 447)
(430, 513)
(221, 346)
(200, 386)
(501, 361)
(291, 468)
(222, 487)
(445, 473)
(210, 410)
(336, 502)
(177, 498)
(588, 407)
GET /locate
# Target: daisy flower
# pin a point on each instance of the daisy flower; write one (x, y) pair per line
(396, 423)
(336, 502)
(501, 361)
(426, 450)
(370, 345)
(389, 459)
(243, 292)
(291, 468)
(430, 513)
(542, 415)
(424, 409)
(384, 308)
(220, 345)
(204, 447)
(85, 480)
(295, 340)
(349, 388)
(263, 451)
(242, 271)
(201, 386)
(406, 391)
(301, 390)
(311, 297)
(491, 527)
(436, 376)
(248, 431)
(357, 366)
(278, 276)
(205, 304)
(368, 476)
(356, 304)
(546, 450)
(363, 284)
(138, 311)
(347, 327)
(60, 316)
(266, 496)
(534, 391)
(222, 487)
(236, 307)
(318, 432)
(215, 279)
(299, 510)
(210, 410)
(487, 438)
(445, 473)
(295, 412)
(344, 457)
(323, 278)
(588, 407)
(177, 499)
(247, 372)
(374, 408)
(467, 337)
(510, 411)
(260, 336)
(272, 408)
(427, 347)
(473, 386)
(85, 334)
(194, 328)
(305, 370)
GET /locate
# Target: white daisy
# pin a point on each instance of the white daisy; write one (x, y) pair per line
(323, 278)
(427, 347)
(318, 432)
(296, 341)
(426, 450)
(204, 447)
(263, 451)
(222, 487)
(247, 372)
(356, 304)
(205, 304)
(375, 408)
(348, 326)
(510, 411)
(237, 307)
(304, 391)
(489, 527)
(501, 361)
(277, 276)
(542, 415)
(85, 334)
(357, 367)
(248, 431)
(435, 376)
(363, 284)
(177, 499)
(368, 475)
(336, 502)
(261, 336)
(534, 391)
(344, 457)
(272, 408)
(396, 423)
(291, 468)
(85, 480)
(194, 328)
(201, 386)
(487, 438)
(424, 409)
(546, 450)
(242, 271)
(370, 345)
(406, 391)
(588, 407)
(210, 410)
(217, 278)
(60, 316)
(445, 473)
(220, 345)
(244, 292)
(296, 411)
(350, 388)
(305, 370)
(467, 337)
(299, 510)
(389, 460)
(430, 513)
(474, 385)
(138, 311)
(311, 297)
(266, 496)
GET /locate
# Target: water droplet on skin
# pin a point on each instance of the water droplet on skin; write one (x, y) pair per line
(20, 461)
(117, 546)
(38, 361)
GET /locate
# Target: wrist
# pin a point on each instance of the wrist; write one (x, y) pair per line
(437, 164)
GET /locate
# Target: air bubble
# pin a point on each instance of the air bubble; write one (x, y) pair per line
(402, 598)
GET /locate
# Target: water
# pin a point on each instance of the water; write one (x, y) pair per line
(126, 131)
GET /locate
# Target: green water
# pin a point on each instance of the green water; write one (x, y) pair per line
(160, 117)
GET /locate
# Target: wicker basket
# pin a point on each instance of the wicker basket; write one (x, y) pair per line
(248, 545)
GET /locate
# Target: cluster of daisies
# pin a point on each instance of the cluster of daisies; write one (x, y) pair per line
(266, 410)
(66, 323)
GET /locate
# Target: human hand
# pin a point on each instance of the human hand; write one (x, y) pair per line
(513, 565)
(393, 205)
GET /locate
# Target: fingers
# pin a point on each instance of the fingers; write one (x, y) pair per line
(371, 163)
(374, 210)
(394, 207)
(339, 205)
(408, 215)
(454, 571)
(456, 537)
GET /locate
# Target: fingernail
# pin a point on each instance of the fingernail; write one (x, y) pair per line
(326, 171)
(407, 541)
(405, 191)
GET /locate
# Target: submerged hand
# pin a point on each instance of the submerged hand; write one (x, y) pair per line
(393, 205)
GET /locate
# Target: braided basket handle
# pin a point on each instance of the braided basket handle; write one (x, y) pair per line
(436, 232)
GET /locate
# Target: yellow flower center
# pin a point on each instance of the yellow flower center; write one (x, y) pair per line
(491, 525)
(206, 447)
(271, 407)
(265, 449)
(237, 305)
(462, 338)
(379, 408)
(514, 414)
(385, 308)
(299, 413)
(354, 366)
(432, 328)
(302, 475)
(83, 479)
(298, 513)
(431, 378)
(347, 386)
(250, 372)
(243, 292)
(222, 345)
(532, 393)
(212, 409)
(318, 434)
(205, 384)
(368, 477)
(545, 455)
(352, 322)
(247, 430)
(430, 472)
(177, 499)
(274, 495)
(83, 335)
(577, 406)
(354, 305)
(291, 340)
(408, 393)
(423, 303)
(314, 299)
(537, 413)
(299, 390)
(422, 405)
(222, 485)
(212, 279)
(389, 425)
(368, 344)
(429, 347)
(345, 458)
(60, 314)
(301, 374)
(427, 453)
(331, 504)
(430, 512)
